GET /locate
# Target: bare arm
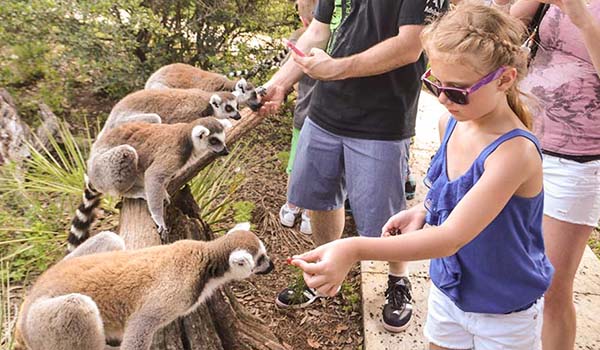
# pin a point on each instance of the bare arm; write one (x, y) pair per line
(395, 52)
(316, 35)
(578, 13)
(505, 174)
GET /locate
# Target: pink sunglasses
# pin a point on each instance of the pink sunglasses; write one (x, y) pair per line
(458, 95)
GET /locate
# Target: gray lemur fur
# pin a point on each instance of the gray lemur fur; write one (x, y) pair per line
(137, 160)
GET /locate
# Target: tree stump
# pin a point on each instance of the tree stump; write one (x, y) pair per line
(221, 322)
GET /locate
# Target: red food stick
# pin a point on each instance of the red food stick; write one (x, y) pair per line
(289, 260)
(295, 49)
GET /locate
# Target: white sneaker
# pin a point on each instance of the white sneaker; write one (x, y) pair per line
(287, 215)
(305, 224)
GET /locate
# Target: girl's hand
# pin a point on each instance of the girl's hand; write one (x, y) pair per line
(326, 267)
(319, 65)
(405, 221)
(577, 11)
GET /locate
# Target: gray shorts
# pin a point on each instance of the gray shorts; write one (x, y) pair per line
(370, 172)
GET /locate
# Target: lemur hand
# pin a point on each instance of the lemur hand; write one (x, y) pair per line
(405, 221)
(326, 267)
(163, 231)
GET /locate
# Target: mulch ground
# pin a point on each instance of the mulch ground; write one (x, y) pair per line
(330, 323)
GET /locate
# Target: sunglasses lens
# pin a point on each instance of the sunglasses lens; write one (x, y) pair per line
(456, 97)
(432, 88)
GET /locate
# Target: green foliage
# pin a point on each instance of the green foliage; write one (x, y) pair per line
(351, 298)
(37, 203)
(214, 187)
(242, 211)
(111, 47)
(283, 157)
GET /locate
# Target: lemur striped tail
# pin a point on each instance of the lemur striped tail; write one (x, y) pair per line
(266, 64)
(84, 216)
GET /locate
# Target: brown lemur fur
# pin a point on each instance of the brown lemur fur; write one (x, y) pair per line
(137, 160)
(185, 76)
(87, 301)
(171, 106)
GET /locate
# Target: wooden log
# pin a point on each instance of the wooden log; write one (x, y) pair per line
(221, 323)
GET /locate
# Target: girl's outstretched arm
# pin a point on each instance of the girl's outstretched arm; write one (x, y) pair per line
(513, 164)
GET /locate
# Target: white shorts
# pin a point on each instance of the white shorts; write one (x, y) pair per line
(450, 327)
(572, 190)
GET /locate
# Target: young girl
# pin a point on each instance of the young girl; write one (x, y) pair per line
(489, 270)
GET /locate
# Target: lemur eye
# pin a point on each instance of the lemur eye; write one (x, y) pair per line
(213, 141)
(228, 108)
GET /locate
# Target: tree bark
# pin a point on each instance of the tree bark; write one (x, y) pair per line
(220, 323)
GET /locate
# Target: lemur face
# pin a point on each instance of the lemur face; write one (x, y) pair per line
(242, 262)
(225, 107)
(246, 94)
(205, 139)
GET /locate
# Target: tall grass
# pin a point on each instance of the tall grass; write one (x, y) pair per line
(214, 187)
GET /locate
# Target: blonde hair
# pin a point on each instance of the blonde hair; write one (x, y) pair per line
(491, 36)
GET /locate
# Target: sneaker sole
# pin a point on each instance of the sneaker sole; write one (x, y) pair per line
(297, 306)
(393, 329)
(286, 223)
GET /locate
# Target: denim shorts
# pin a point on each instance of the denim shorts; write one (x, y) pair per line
(371, 173)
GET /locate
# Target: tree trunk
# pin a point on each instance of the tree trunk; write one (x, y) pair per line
(221, 322)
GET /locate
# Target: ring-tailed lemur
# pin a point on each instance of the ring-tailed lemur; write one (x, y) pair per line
(137, 160)
(125, 296)
(185, 76)
(172, 106)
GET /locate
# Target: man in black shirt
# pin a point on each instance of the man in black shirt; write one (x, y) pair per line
(367, 58)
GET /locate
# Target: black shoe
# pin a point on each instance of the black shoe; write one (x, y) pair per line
(397, 310)
(410, 187)
(347, 208)
(296, 297)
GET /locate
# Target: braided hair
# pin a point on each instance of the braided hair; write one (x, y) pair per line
(490, 35)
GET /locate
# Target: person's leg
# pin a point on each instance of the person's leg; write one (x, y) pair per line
(289, 212)
(375, 175)
(571, 210)
(327, 226)
(565, 244)
(316, 184)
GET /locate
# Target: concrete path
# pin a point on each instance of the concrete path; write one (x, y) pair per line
(374, 274)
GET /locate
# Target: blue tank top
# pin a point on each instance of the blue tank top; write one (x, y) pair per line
(504, 268)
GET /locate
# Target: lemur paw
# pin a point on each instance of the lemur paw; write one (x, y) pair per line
(163, 231)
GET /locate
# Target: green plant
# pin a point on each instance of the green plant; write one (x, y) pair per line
(37, 201)
(214, 187)
(351, 297)
(243, 211)
(8, 313)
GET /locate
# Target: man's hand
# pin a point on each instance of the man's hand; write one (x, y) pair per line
(320, 66)
(272, 100)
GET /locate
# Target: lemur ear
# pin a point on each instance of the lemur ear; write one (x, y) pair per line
(200, 131)
(225, 122)
(242, 226)
(241, 258)
(215, 100)
(241, 85)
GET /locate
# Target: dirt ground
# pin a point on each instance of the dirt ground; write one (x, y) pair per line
(331, 323)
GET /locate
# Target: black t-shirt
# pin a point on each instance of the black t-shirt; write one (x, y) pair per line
(380, 107)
